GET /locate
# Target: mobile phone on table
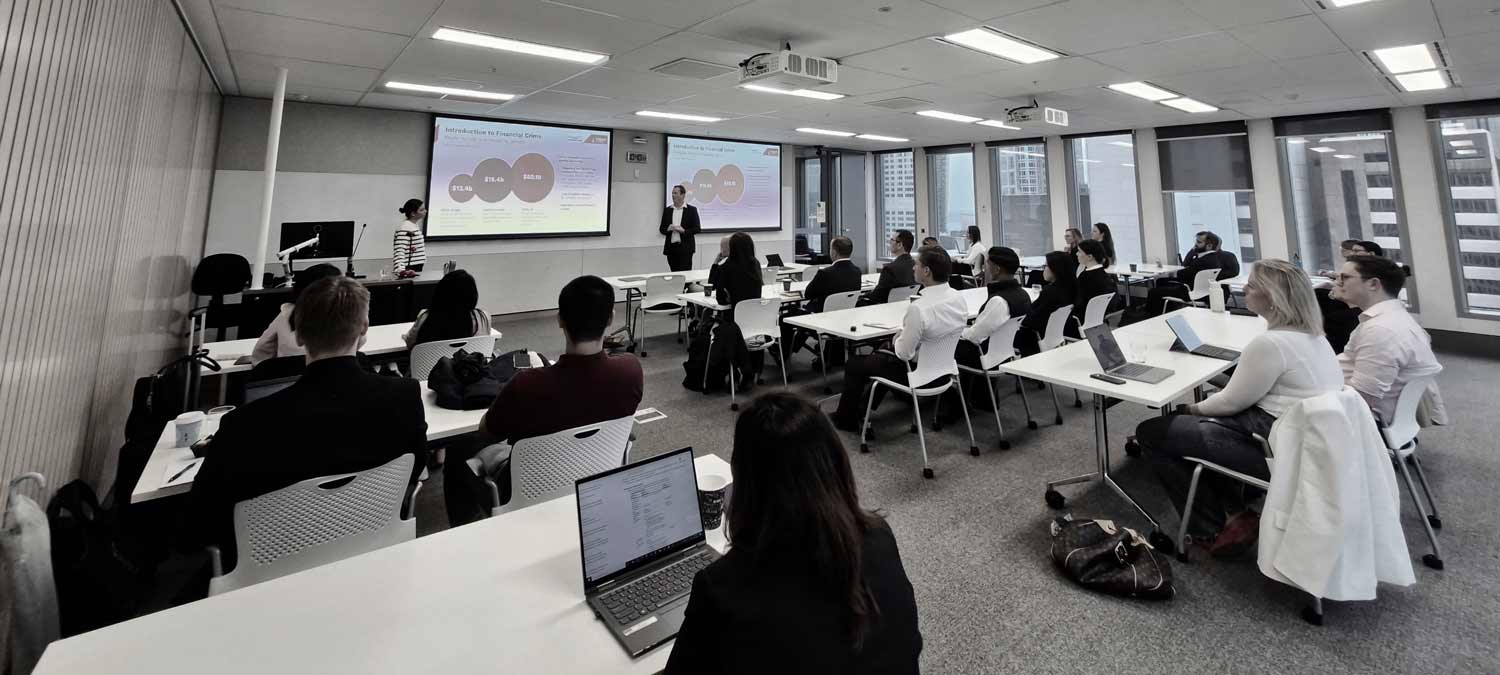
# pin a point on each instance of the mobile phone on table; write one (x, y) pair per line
(1106, 377)
(522, 359)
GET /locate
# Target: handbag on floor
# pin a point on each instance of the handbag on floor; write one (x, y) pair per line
(1104, 556)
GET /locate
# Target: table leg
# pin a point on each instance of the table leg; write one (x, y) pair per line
(1101, 439)
(823, 360)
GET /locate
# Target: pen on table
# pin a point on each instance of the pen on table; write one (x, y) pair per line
(183, 471)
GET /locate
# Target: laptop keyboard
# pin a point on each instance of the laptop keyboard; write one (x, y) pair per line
(1131, 370)
(1218, 352)
(644, 595)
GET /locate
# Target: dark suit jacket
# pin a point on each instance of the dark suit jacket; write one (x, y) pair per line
(777, 617)
(840, 277)
(1224, 261)
(689, 223)
(733, 283)
(1051, 298)
(337, 418)
(1090, 284)
(896, 274)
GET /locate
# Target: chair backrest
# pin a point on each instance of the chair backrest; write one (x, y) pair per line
(543, 468)
(901, 294)
(768, 276)
(1002, 345)
(811, 271)
(319, 521)
(1203, 282)
(757, 317)
(839, 301)
(259, 389)
(277, 368)
(661, 291)
(221, 274)
(1056, 324)
(1401, 430)
(1093, 313)
(426, 355)
(935, 359)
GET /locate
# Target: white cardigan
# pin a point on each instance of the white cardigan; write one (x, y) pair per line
(1332, 520)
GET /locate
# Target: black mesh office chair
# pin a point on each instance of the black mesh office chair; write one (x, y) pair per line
(219, 275)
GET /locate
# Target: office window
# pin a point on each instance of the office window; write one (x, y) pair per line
(1470, 174)
(950, 195)
(895, 198)
(1341, 185)
(1018, 174)
(1207, 188)
(1102, 188)
(807, 233)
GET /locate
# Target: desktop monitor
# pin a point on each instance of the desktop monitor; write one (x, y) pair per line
(335, 239)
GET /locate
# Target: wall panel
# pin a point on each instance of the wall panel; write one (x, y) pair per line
(106, 152)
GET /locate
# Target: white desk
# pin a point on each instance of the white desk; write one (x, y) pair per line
(780, 291)
(501, 595)
(1148, 341)
(633, 286)
(384, 339)
(441, 423)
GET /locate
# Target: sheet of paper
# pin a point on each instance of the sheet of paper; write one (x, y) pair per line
(175, 474)
(645, 415)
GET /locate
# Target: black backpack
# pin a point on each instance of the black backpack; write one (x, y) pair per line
(99, 581)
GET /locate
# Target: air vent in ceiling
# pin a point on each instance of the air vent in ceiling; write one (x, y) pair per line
(900, 103)
(692, 69)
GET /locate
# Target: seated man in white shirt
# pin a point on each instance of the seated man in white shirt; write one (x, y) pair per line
(939, 311)
(1388, 348)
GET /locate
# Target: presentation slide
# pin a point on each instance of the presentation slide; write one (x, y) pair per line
(496, 180)
(735, 186)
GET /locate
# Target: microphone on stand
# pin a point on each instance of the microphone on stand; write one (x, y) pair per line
(349, 264)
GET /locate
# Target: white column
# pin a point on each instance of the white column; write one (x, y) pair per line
(1057, 190)
(1154, 244)
(1270, 211)
(273, 141)
(984, 208)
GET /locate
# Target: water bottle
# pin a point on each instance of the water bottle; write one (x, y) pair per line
(1216, 298)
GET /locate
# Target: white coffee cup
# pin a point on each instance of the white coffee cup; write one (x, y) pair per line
(189, 428)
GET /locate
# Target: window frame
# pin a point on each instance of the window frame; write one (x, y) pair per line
(997, 220)
(1072, 178)
(1169, 207)
(928, 154)
(1450, 219)
(883, 249)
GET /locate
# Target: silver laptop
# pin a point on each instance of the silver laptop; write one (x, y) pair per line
(1112, 360)
(1195, 345)
(641, 536)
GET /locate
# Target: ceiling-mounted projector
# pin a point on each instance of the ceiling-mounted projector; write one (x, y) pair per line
(788, 69)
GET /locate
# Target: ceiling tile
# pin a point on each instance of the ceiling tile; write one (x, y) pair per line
(1371, 85)
(405, 17)
(939, 95)
(1326, 68)
(1090, 26)
(1473, 49)
(990, 9)
(674, 13)
(1068, 73)
(1388, 23)
(1466, 17)
(858, 81)
(1230, 13)
(1207, 51)
(308, 40)
(928, 61)
(630, 84)
(1478, 74)
(685, 45)
(744, 101)
(267, 89)
(548, 23)
(1290, 38)
(834, 28)
(428, 58)
(432, 103)
(1240, 78)
(303, 73)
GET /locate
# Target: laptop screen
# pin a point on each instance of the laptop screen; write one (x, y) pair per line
(635, 514)
(1184, 331)
(1104, 346)
(774, 260)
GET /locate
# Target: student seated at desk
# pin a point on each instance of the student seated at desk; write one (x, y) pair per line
(1206, 255)
(279, 340)
(337, 418)
(1388, 348)
(736, 276)
(814, 582)
(1061, 290)
(1006, 299)
(842, 276)
(454, 313)
(1093, 280)
(1290, 362)
(586, 385)
(896, 273)
(1102, 235)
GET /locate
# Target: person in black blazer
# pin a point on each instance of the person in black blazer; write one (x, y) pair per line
(1093, 281)
(736, 276)
(679, 222)
(842, 276)
(814, 582)
(337, 418)
(1206, 255)
(896, 273)
(1061, 289)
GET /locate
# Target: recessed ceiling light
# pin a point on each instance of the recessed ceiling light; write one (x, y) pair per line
(1296, 141)
(998, 125)
(825, 132)
(1123, 144)
(678, 116)
(1461, 144)
(951, 117)
(887, 139)
(1186, 104)
(1346, 3)
(804, 93)
(1321, 148)
(1424, 81)
(506, 44)
(1129, 165)
(991, 41)
(1352, 137)
(1410, 58)
(1344, 156)
(1143, 90)
(450, 91)
(1465, 152)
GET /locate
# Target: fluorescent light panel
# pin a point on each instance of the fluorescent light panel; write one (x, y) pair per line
(1296, 141)
(1461, 144)
(518, 46)
(1143, 90)
(1321, 148)
(678, 116)
(1407, 59)
(825, 132)
(1123, 144)
(951, 117)
(1186, 104)
(804, 93)
(1465, 152)
(1346, 3)
(991, 41)
(1426, 80)
(1344, 156)
(450, 91)
(997, 124)
(886, 139)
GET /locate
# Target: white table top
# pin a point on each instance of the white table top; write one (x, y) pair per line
(1143, 270)
(384, 339)
(1147, 342)
(634, 281)
(855, 323)
(504, 594)
(441, 423)
(770, 291)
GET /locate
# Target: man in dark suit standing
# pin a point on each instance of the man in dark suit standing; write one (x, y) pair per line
(336, 418)
(679, 222)
(896, 273)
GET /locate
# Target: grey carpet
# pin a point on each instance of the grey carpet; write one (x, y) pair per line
(974, 541)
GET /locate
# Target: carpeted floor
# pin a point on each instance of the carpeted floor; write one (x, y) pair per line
(974, 541)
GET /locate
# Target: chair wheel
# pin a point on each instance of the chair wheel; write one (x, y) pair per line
(974, 450)
(1182, 557)
(827, 391)
(1431, 560)
(679, 340)
(1161, 542)
(1312, 616)
(1077, 403)
(1057, 420)
(1031, 424)
(864, 448)
(643, 353)
(1004, 444)
(1055, 499)
(937, 426)
(1132, 448)
(734, 407)
(926, 472)
(1435, 522)
(912, 430)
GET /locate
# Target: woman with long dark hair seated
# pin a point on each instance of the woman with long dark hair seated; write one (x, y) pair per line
(1093, 280)
(1060, 290)
(1102, 235)
(454, 313)
(812, 582)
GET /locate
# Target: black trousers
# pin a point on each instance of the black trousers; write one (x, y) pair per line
(1225, 441)
(1165, 288)
(679, 258)
(857, 375)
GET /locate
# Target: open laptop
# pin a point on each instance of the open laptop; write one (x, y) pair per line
(1193, 344)
(773, 261)
(1113, 360)
(641, 537)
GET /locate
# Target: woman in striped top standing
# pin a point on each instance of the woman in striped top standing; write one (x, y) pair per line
(409, 251)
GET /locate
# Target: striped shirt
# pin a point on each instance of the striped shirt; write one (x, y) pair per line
(409, 247)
